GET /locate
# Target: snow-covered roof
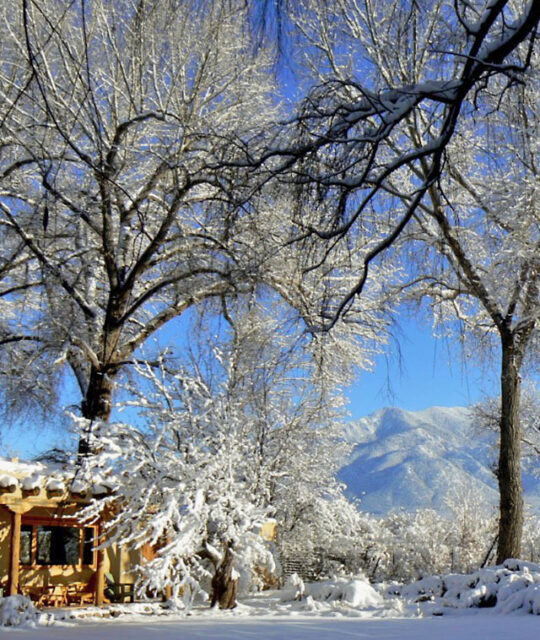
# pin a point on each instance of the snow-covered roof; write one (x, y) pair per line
(52, 479)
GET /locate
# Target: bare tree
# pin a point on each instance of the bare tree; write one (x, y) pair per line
(397, 85)
(488, 233)
(117, 116)
(350, 140)
(479, 223)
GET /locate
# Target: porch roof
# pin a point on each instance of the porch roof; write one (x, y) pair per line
(43, 484)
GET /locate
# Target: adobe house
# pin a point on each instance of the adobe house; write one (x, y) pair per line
(43, 544)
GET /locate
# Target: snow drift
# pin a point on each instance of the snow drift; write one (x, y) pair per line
(512, 586)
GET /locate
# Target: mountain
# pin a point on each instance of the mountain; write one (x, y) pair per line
(416, 459)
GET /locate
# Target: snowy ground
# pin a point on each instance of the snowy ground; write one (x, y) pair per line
(477, 626)
(497, 603)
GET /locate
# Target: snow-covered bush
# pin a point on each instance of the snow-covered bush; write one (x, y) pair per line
(409, 546)
(354, 592)
(319, 529)
(427, 542)
(226, 440)
(512, 586)
(416, 544)
(406, 546)
(185, 489)
(17, 611)
(530, 544)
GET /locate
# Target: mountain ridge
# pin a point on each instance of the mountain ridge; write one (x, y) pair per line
(409, 460)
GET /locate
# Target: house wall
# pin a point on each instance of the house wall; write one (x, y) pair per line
(41, 494)
(117, 561)
(5, 545)
(120, 562)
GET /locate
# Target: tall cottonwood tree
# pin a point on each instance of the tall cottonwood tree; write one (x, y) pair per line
(125, 119)
(490, 238)
(396, 84)
(116, 118)
(480, 221)
(481, 226)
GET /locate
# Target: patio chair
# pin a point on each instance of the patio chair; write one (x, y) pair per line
(118, 591)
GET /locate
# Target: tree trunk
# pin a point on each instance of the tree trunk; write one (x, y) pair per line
(225, 583)
(509, 470)
(97, 404)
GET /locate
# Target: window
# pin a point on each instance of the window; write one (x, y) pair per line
(58, 545)
(26, 544)
(52, 544)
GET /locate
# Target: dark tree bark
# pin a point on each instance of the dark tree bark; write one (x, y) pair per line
(97, 405)
(509, 469)
(515, 327)
(225, 582)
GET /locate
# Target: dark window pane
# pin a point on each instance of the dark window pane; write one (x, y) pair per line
(88, 547)
(70, 544)
(58, 545)
(43, 545)
(26, 544)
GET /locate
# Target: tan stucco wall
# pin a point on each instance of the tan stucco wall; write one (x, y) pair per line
(118, 562)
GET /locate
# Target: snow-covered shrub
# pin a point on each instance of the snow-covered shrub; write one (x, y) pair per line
(293, 589)
(230, 438)
(418, 543)
(512, 586)
(473, 530)
(530, 543)
(16, 611)
(406, 546)
(189, 496)
(332, 537)
(348, 596)
(355, 592)
(320, 530)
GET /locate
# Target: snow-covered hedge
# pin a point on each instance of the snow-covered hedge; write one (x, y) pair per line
(18, 611)
(355, 592)
(512, 586)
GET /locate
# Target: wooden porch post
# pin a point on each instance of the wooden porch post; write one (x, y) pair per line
(15, 553)
(100, 578)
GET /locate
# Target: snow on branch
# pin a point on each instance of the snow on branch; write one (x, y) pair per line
(351, 143)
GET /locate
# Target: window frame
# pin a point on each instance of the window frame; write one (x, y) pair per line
(73, 523)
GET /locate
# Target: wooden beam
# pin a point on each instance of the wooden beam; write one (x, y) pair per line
(15, 553)
(19, 507)
(100, 577)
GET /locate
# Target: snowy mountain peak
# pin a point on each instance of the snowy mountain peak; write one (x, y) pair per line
(419, 459)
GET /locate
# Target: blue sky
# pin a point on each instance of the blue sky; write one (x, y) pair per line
(428, 372)
(421, 373)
